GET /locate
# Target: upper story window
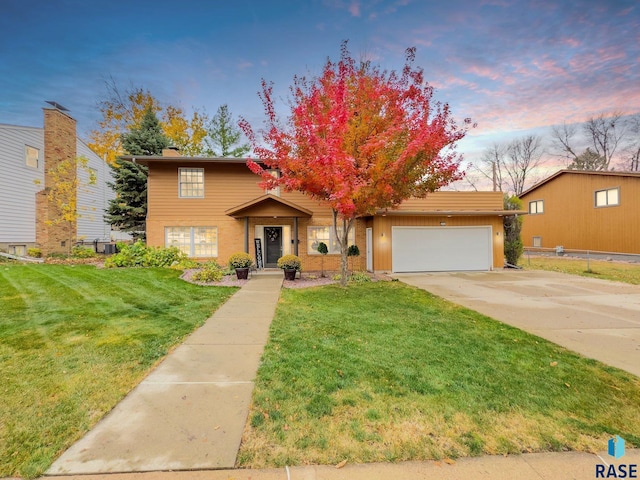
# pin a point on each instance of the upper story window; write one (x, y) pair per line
(274, 191)
(32, 156)
(537, 206)
(608, 198)
(191, 182)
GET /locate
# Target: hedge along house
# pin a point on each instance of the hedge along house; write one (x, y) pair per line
(213, 207)
(584, 210)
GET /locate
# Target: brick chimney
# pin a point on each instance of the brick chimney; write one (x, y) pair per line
(52, 235)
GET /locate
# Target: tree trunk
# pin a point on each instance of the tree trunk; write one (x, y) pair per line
(343, 241)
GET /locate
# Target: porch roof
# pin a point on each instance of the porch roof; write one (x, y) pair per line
(268, 206)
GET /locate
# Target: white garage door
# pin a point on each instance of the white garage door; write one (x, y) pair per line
(441, 249)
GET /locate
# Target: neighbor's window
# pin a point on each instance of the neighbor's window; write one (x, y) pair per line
(537, 242)
(194, 241)
(20, 250)
(609, 197)
(315, 235)
(32, 156)
(536, 206)
(191, 182)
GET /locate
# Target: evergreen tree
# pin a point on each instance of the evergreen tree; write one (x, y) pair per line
(147, 138)
(513, 246)
(223, 136)
(128, 211)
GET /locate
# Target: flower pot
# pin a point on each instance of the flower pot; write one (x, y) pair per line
(242, 273)
(290, 274)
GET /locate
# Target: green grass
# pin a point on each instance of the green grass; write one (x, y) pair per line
(617, 271)
(387, 372)
(74, 340)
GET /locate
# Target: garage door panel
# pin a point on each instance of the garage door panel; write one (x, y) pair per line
(433, 249)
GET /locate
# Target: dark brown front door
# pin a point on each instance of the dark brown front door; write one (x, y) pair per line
(273, 245)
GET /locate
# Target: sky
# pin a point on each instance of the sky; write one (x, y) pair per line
(514, 67)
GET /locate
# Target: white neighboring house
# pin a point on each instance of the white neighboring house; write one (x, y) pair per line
(23, 157)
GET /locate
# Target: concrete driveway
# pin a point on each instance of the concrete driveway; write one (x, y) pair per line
(597, 318)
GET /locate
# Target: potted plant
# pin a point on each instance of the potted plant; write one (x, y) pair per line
(241, 262)
(290, 264)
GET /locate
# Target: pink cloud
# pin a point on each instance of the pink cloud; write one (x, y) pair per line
(354, 9)
(483, 71)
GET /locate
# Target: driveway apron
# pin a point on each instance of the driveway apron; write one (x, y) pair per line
(599, 319)
(190, 412)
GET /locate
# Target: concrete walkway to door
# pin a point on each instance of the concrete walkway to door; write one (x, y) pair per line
(190, 412)
(599, 319)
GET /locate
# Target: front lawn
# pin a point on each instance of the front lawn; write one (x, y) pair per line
(74, 341)
(617, 271)
(386, 372)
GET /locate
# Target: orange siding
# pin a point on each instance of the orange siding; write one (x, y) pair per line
(570, 218)
(230, 185)
(454, 201)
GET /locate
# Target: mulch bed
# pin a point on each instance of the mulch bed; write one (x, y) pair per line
(227, 281)
(303, 280)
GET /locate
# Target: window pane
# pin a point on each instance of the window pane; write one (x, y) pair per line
(315, 235)
(179, 237)
(601, 198)
(205, 241)
(32, 155)
(532, 207)
(612, 196)
(540, 206)
(191, 182)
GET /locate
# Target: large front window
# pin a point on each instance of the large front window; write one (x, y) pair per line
(191, 182)
(315, 235)
(194, 241)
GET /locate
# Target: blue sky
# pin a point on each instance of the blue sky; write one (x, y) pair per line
(512, 66)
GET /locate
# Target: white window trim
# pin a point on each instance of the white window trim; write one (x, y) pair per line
(607, 204)
(180, 170)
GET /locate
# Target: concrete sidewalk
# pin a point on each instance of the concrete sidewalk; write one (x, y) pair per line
(190, 412)
(531, 466)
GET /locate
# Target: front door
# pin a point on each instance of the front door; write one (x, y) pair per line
(273, 246)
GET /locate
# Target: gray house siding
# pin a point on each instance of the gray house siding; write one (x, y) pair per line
(93, 200)
(19, 183)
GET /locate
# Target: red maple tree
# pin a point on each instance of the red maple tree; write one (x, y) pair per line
(359, 139)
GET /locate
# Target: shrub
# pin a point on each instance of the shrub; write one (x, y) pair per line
(240, 260)
(34, 252)
(359, 277)
(140, 255)
(82, 252)
(210, 272)
(355, 277)
(290, 262)
(322, 248)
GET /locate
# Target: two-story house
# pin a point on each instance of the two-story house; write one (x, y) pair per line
(213, 207)
(584, 210)
(27, 157)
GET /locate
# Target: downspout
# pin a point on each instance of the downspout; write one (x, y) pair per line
(295, 236)
(246, 234)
